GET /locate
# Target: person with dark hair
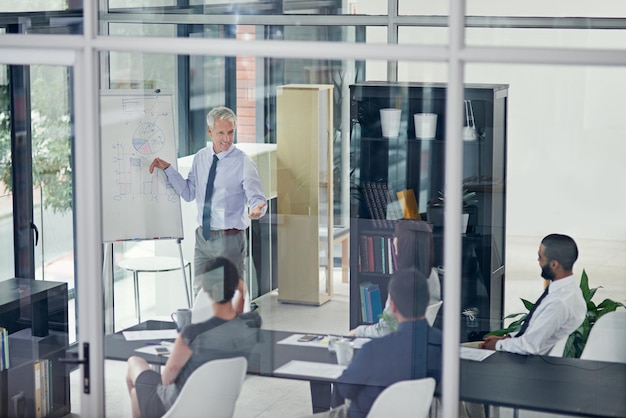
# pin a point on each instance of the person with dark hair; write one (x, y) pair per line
(414, 246)
(226, 334)
(225, 184)
(412, 352)
(559, 311)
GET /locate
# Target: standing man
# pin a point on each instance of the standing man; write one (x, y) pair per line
(558, 312)
(226, 186)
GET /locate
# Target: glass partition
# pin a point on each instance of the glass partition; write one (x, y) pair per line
(564, 123)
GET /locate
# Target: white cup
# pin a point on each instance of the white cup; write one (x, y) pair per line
(344, 350)
(390, 122)
(425, 125)
(332, 339)
(182, 318)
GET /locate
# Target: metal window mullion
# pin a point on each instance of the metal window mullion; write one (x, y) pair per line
(88, 213)
(452, 213)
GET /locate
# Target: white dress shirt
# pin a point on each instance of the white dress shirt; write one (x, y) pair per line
(237, 184)
(559, 314)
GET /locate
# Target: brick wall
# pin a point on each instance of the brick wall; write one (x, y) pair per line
(246, 92)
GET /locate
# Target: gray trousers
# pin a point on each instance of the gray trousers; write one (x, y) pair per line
(232, 247)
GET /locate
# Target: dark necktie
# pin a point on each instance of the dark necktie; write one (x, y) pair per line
(530, 314)
(206, 212)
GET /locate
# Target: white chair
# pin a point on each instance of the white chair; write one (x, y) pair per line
(432, 311)
(559, 347)
(405, 399)
(211, 390)
(203, 306)
(607, 339)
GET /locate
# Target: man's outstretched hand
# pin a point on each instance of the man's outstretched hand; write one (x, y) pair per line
(158, 163)
(257, 211)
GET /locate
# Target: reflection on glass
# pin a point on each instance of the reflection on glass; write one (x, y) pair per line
(573, 113)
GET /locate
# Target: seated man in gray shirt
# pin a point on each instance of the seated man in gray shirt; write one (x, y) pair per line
(559, 311)
(226, 334)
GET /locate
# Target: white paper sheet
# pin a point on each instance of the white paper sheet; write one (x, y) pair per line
(311, 369)
(321, 342)
(157, 334)
(152, 349)
(475, 354)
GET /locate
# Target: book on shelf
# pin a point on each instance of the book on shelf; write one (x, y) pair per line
(390, 257)
(381, 200)
(4, 346)
(377, 253)
(363, 255)
(394, 252)
(376, 302)
(43, 387)
(408, 204)
(370, 254)
(370, 202)
(50, 387)
(363, 293)
(37, 372)
(382, 203)
(394, 210)
(371, 302)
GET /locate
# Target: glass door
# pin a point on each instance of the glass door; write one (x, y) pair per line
(36, 224)
(52, 177)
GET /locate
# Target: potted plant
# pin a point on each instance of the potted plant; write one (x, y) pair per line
(578, 338)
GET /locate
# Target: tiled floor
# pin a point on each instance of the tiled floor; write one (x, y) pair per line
(262, 397)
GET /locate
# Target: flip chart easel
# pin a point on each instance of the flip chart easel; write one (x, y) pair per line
(136, 127)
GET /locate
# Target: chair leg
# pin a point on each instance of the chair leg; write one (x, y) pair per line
(137, 307)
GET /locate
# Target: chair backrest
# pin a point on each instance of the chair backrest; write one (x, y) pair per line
(405, 399)
(607, 339)
(203, 306)
(211, 390)
(432, 311)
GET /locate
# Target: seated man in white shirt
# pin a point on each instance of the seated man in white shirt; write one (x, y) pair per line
(558, 312)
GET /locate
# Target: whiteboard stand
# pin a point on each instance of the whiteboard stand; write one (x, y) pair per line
(107, 277)
(182, 268)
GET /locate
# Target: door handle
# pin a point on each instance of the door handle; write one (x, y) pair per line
(34, 227)
(85, 363)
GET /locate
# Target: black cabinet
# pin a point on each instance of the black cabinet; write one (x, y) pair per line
(35, 313)
(407, 162)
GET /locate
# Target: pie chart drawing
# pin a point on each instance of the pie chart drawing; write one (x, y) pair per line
(148, 138)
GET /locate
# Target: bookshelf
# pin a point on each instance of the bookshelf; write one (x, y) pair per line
(35, 314)
(408, 163)
(304, 134)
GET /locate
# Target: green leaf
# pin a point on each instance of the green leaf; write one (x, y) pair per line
(527, 304)
(592, 293)
(513, 315)
(584, 285)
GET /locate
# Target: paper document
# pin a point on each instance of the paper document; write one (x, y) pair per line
(156, 334)
(311, 369)
(321, 341)
(475, 354)
(153, 349)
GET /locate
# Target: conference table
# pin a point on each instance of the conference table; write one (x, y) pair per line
(542, 383)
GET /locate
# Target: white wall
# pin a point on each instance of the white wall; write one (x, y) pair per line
(566, 128)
